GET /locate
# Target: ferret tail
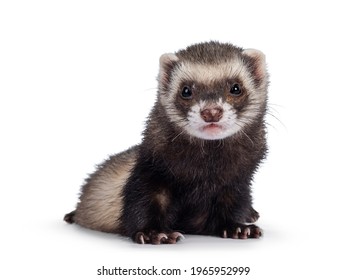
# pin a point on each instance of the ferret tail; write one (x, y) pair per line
(69, 218)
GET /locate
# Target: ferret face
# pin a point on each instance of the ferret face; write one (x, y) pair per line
(213, 98)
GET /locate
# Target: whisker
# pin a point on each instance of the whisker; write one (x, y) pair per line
(179, 134)
(271, 114)
(202, 147)
(245, 134)
(148, 89)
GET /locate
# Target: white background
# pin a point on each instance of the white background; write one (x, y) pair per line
(77, 80)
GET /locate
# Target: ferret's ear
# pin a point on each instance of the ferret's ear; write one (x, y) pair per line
(258, 61)
(167, 63)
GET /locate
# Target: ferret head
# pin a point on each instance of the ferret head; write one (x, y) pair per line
(213, 90)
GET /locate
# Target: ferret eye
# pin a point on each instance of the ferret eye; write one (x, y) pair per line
(236, 90)
(186, 93)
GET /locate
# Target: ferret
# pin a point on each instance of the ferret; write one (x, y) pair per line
(203, 141)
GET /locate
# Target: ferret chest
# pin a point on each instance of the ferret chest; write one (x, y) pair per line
(205, 167)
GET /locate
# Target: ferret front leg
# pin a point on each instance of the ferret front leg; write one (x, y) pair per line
(148, 215)
(155, 227)
(236, 214)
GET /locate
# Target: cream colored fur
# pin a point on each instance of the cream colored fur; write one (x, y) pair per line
(101, 200)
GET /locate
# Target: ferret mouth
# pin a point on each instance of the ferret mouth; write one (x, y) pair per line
(212, 128)
(212, 125)
(210, 131)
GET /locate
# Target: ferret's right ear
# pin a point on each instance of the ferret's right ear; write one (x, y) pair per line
(167, 63)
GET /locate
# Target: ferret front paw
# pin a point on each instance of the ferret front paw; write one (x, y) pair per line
(156, 238)
(239, 231)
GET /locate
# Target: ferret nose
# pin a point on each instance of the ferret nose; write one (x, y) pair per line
(212, 114)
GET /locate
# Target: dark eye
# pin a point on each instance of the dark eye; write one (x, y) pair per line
(186, 93)
(235, 89)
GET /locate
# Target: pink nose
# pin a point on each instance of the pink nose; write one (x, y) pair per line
(212, 114)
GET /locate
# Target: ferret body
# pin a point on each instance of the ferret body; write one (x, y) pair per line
(192, 173)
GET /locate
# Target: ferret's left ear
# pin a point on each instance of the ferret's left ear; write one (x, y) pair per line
(167, 63)
(259, 63)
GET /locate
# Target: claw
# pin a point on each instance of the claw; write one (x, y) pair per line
(142, 239)
(246, 233)
(162, 236)
(236, 233)
(178, 235)
(175, 237)
(139, 238)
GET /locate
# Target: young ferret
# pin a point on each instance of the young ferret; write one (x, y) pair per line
(204, 139)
